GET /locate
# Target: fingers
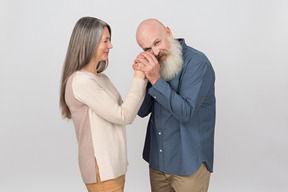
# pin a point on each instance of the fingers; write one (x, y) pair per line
(149, 57)
(138, 66)
(146, 58)
(148, 63)
(141, 59)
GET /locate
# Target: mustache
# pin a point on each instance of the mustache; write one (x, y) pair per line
(161, 54)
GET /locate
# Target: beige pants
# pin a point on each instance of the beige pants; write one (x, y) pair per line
(197, 182)
(113, 185)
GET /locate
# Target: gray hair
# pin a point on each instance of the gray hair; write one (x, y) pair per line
(82, 46)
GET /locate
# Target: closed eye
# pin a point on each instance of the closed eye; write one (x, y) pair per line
(147, 49)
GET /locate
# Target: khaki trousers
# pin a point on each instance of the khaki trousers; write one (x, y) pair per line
(196, 182)
(113, 185)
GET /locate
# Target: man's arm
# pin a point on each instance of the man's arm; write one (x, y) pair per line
(195, 84)
(146, 106)
(194, 88)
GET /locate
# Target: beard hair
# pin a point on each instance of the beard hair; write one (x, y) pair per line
(171, 66)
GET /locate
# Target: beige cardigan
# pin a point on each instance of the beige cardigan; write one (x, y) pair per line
(99, 116)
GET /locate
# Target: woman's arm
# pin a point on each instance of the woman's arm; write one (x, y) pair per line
(90, 92)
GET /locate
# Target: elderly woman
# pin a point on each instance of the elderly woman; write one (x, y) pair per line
(99, 115)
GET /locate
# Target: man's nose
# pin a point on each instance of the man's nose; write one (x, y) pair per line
(155, 51)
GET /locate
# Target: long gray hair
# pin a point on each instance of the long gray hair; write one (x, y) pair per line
(82, 46)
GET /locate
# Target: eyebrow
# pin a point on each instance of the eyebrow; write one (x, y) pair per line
(147, 48)
(107, 37)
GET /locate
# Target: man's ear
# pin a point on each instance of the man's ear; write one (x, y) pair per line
(168, 31)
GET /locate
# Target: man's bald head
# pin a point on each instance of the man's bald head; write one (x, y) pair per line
(149, 32)
(149, 25)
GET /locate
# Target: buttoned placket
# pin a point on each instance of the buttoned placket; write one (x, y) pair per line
(159, 131)
(161, 150)
(159, 134)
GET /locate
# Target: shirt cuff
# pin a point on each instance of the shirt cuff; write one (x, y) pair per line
(156, 90)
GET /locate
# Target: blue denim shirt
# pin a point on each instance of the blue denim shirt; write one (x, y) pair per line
(180, 132)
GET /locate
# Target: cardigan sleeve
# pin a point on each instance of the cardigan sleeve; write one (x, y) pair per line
(88, 91)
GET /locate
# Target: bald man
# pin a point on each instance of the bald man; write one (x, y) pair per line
(180, 97)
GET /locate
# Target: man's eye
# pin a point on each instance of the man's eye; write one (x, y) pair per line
(157, 42)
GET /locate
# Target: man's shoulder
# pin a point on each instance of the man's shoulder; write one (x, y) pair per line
(193, 55)
(191, 51)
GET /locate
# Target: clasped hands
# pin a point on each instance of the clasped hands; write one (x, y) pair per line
(147, 64)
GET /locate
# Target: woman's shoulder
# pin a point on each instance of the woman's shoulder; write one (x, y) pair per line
(82, 77)
(85, 77)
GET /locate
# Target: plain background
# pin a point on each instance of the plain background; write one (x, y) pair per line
(246, 41)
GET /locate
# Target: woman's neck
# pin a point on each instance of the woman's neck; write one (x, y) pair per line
(91, 67)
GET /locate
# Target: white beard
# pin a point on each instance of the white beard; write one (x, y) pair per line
(170, 67)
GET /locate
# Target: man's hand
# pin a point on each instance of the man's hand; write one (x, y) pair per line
(151, 66)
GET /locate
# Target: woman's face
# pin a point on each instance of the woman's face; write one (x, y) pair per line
(102, 50)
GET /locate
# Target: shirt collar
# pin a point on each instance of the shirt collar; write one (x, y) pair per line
(183, 44)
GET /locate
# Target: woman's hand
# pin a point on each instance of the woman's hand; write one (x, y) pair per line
(138, 73)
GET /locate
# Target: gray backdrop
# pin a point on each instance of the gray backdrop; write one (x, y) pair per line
(246, 41)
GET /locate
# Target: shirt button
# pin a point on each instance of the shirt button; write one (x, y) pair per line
(159, 133)
(160, 150)
(154, 97)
